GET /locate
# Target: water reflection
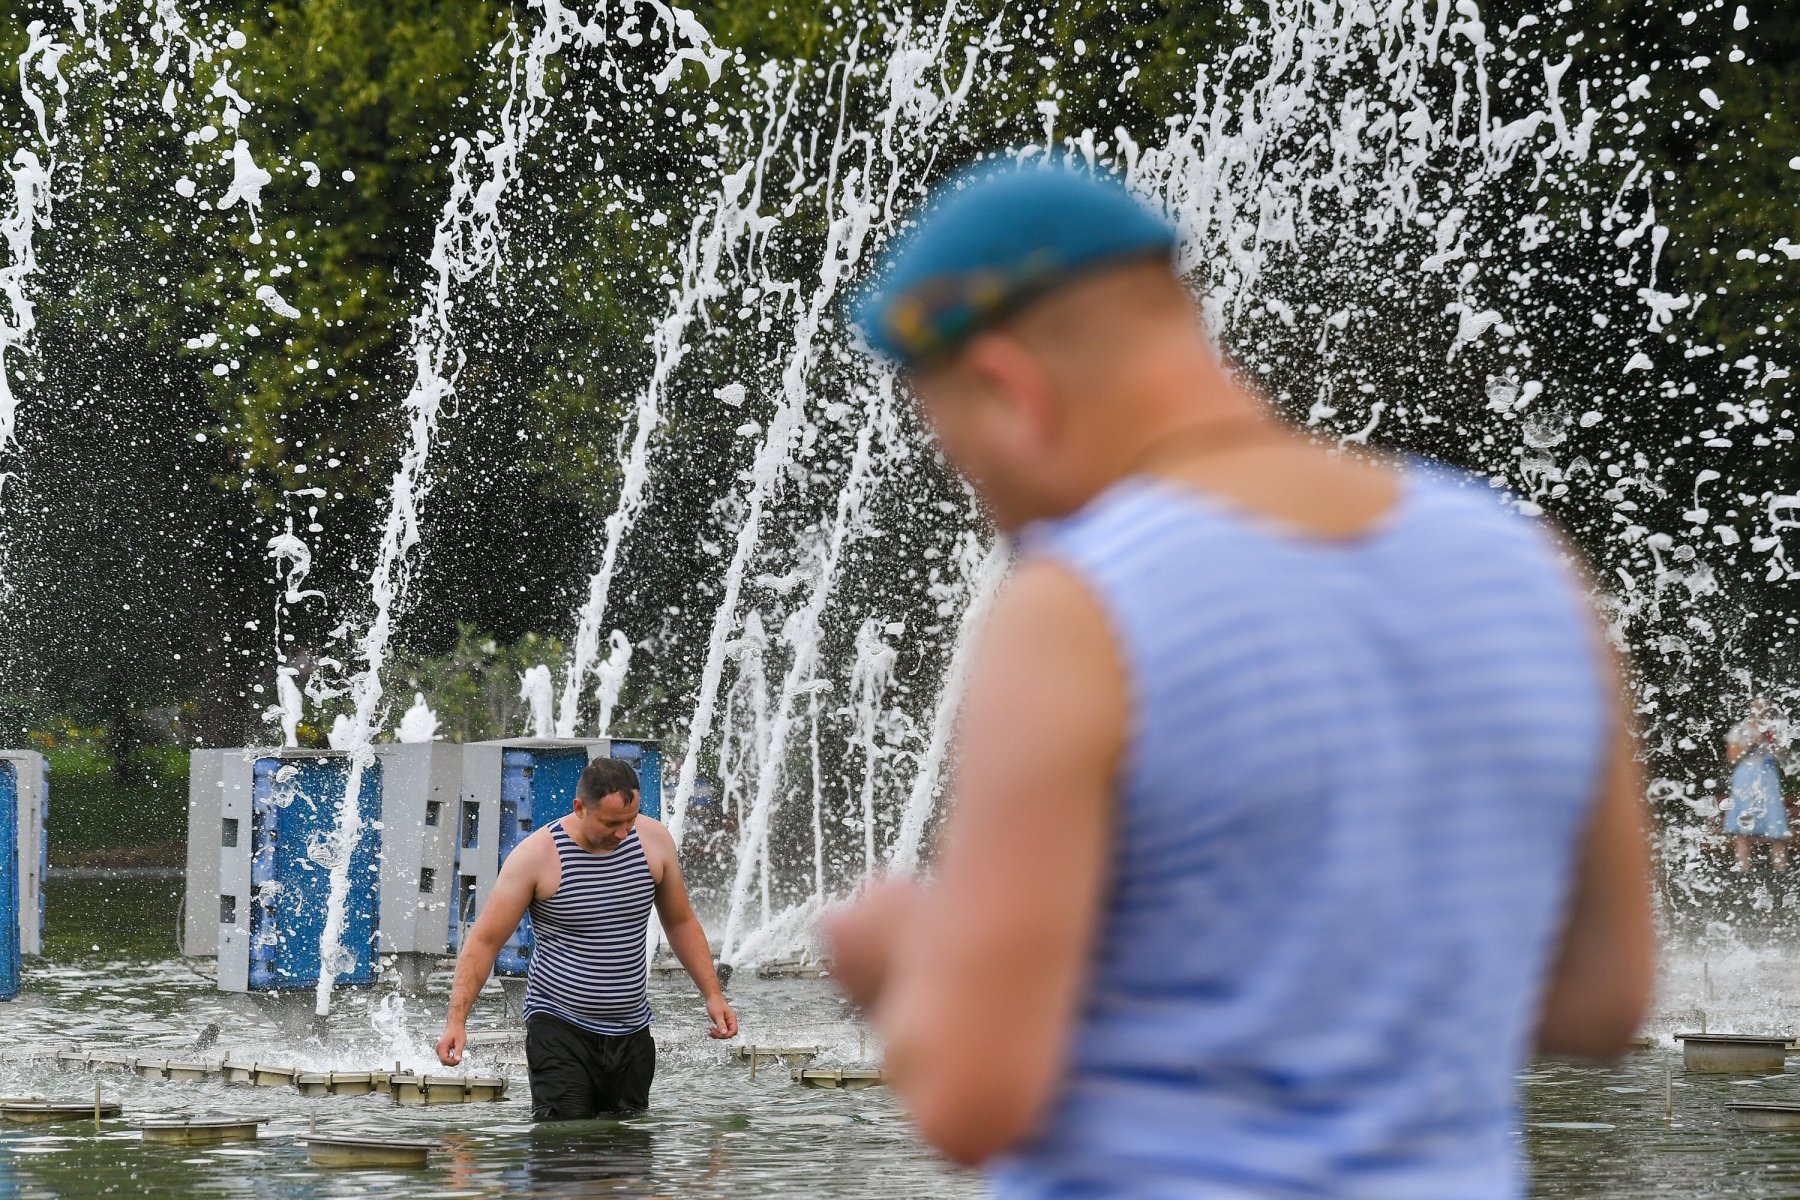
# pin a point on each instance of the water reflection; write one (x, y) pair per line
(609, 1157)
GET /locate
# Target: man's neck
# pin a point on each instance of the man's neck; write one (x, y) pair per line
(1168, 402)
(575, 835)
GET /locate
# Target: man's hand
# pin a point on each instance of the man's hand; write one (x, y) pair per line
(450, 1046)
(861, 938)
(724, 1021)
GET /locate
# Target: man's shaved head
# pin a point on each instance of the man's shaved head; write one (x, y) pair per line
(1041, 409)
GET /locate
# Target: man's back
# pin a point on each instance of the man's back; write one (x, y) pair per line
(1356, 780)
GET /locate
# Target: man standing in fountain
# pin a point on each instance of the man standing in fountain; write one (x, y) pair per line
(1295, 803)
(589, 881)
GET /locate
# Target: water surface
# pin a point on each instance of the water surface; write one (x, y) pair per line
(111, 980)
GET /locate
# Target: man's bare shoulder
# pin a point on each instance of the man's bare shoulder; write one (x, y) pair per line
(653, 832)
(659, 845)
(535, 853)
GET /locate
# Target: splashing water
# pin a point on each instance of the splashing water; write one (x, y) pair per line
(31, 209)
(418, 723)
(468, 243)
(1335, 175)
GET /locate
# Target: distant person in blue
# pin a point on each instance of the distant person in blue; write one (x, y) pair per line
(1755, 811)
(1295, 806)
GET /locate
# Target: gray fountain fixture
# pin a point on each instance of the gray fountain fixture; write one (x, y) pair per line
(667, 966)
(793, 1056)
(1732, 1053)
(417, 1091)
(24, 799)
(510, 788)
(252, 814)
(258, 1074)
(335, 1150)
(191, 1072)
(497, 1037)
(421, 806)
(336, 1083)
(793, 968)
(43, 1112)
(201, 1131)
(849, 1079)
(1767, 1116)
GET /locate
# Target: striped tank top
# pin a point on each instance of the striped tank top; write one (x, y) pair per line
(588, 963)
(1343, 837)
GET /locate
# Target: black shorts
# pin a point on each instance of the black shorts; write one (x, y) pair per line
(576, 1074)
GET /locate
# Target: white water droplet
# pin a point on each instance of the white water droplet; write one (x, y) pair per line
(274, 303)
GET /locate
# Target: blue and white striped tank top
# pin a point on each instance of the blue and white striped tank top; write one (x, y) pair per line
(1357, 774)
(588, 963)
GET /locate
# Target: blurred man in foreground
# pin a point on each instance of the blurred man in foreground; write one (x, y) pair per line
(1295, 804)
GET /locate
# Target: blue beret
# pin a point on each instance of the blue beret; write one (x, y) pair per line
(992, 240)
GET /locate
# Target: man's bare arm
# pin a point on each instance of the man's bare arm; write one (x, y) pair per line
(505, 908)
(682, 928)
(1600, 983)
(978, 1000)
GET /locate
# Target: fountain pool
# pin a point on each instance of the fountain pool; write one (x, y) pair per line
(1644, 1127)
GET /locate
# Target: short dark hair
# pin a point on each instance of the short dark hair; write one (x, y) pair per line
(603, 778)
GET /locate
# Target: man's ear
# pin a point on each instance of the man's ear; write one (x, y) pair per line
(1019, 384)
